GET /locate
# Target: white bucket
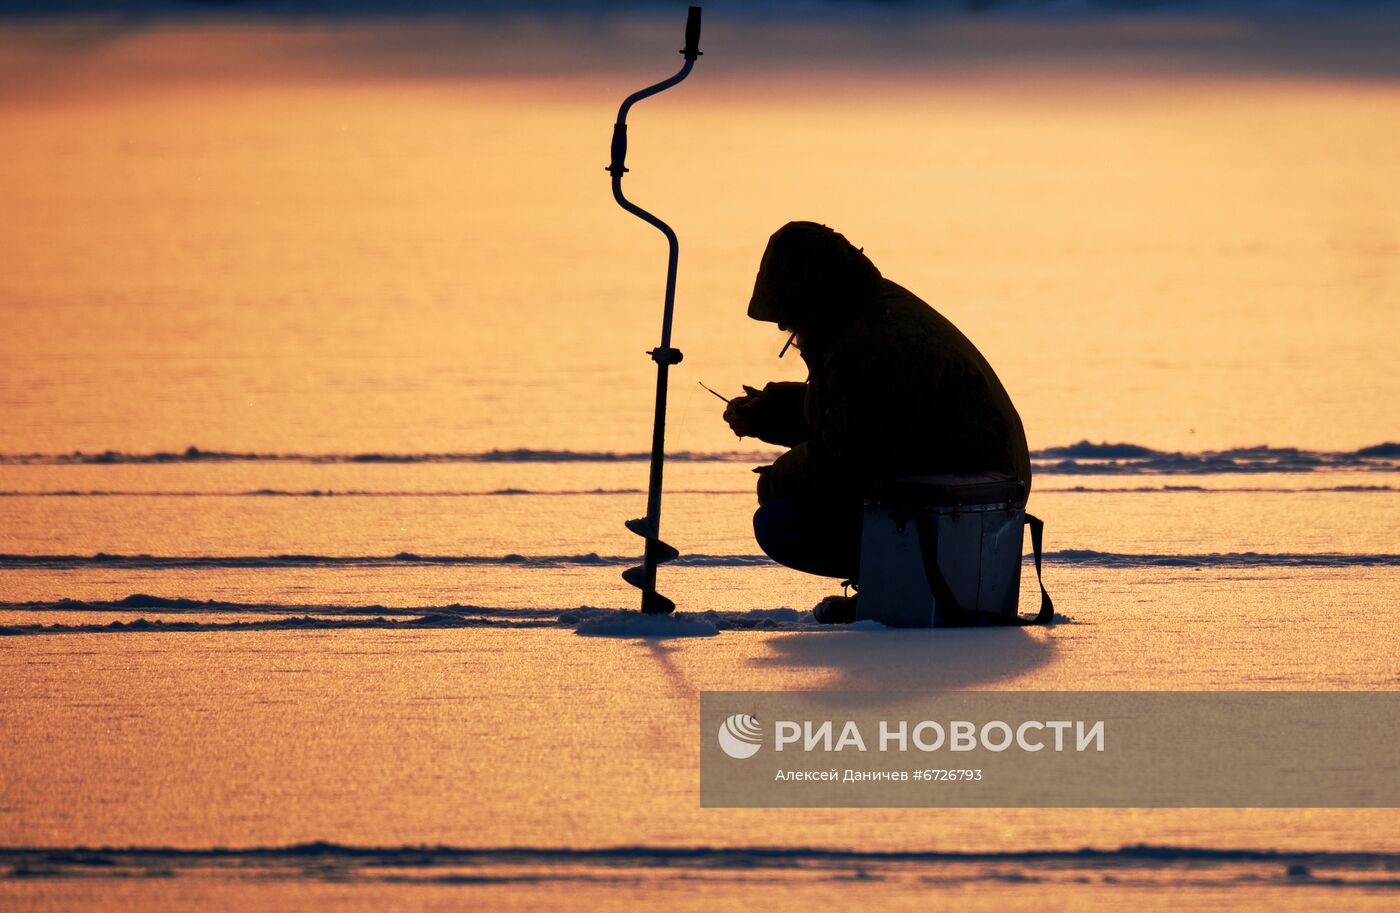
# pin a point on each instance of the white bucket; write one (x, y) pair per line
(945, 551)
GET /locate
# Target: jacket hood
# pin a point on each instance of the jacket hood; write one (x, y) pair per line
(811, 276)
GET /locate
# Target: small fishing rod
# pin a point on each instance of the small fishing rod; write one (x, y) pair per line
(727, 399)
(643, 576)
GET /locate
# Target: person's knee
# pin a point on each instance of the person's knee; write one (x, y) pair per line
(771, 526)
(812, 538)
(780, 530)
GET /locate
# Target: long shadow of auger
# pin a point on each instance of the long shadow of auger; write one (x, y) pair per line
(649, 527)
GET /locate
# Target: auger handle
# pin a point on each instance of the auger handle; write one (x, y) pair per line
(692, 34)
(619, 151)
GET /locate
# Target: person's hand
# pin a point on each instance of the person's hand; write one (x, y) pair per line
(763, 488)
(737, 415)
(739, 410)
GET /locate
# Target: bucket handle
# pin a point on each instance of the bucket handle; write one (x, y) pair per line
(944, 598)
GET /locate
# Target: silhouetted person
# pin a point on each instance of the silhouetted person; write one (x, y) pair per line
(893, 389)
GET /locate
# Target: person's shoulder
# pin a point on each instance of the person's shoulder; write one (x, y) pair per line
(895, 326)
(895, 302)
(897, 316)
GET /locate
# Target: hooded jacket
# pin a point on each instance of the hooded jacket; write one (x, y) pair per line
(893, 389)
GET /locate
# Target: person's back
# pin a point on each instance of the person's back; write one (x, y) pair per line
(893, 390)
(903, 392)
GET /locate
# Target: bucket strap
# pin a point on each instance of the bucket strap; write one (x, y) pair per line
(948, 605)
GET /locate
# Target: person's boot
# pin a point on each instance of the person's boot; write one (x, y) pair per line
(835, 610)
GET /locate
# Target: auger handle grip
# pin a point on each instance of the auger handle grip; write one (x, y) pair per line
(619, 151)
(692, 34)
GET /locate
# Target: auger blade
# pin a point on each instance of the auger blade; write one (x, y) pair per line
(637, 576)
(661, 552)
(643, 576)
(653, 603)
